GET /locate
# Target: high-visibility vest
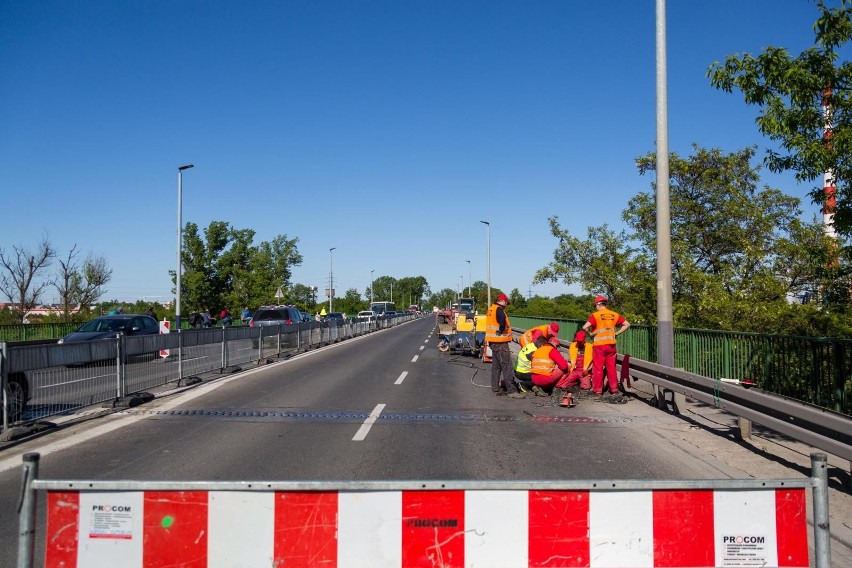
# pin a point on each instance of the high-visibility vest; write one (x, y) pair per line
(527, 336)
(523, 363)
(542, 364)
(492, 327)
(605, 326)
(575, 355)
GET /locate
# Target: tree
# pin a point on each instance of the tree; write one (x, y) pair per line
(78, 287)
(739, 252)
(791, 92)
(20, 279)
(225, 268)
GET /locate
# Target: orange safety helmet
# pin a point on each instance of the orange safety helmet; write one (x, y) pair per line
(503, 298)
(600, 298)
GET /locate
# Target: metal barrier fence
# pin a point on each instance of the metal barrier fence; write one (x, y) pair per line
(816, 370)
(49, 379)
(426, 523)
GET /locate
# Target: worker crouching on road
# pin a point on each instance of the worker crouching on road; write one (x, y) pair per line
(550, 371)
(580, 355)
(547, 330)
(523, 375)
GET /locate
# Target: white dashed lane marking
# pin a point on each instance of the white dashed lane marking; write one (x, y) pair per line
(415, 359)
(368, 423)
(401, 378)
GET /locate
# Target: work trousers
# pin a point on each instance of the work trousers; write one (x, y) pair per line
(603, 357)
(557, 378)
(501, 364)
(576, 377)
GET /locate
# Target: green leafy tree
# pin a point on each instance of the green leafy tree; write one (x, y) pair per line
(791, 91)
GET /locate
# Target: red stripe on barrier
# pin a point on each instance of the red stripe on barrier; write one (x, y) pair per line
(683, 528)
(63, 524)
(791, 527)
(433, 529)
(175, 529)
(558, 528)
(305, 529)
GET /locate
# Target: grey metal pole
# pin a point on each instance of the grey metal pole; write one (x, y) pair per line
(665, 329)
(372, 297)
(27, 512)
(822, 527)
(179, 265)
(488, 269)
(330, 278)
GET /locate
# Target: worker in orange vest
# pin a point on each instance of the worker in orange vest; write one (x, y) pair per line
(498, 334)
(550, 371)
(580, 356)
(548, 330)
(603, 323)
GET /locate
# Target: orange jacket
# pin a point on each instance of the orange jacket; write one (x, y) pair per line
(604, 323)
(527, 336)
(492, 328)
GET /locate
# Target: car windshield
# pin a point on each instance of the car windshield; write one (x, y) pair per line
(105, 324)
(334, 315)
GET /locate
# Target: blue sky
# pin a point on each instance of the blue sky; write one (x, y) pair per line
(386, 129)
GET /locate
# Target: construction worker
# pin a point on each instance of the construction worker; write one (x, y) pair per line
(603, 323)
(580, 356)
(498, 334)
(550, 371)
(548, 330)
(522, 365)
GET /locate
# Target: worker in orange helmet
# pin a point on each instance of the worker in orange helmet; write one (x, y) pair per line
(550, 371)
(498, 334)
(603, 323)
(548, 330)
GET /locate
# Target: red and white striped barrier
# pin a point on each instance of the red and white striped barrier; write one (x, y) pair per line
(411, 528)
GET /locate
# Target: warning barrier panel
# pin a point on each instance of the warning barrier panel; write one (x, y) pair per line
(428, 528)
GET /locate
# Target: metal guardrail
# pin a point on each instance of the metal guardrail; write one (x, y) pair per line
(818, 427)
(47, 379)
(813, 425)
(812, 369)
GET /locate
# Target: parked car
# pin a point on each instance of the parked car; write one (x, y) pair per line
(334, 317)
(106, 327)
(306, 317)
(274, 315)
(367, 315)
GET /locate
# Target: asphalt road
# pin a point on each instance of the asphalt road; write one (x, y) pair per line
(304, 419)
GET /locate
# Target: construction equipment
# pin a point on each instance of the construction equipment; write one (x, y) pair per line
(461, 329)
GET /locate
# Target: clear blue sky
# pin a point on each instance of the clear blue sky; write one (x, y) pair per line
(386, 129)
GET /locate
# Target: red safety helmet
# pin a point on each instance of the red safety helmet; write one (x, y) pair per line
(503, 298)
(554, 327)
(535, 335)
(600, 298)
(580, 336)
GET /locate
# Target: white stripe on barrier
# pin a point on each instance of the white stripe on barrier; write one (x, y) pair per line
(494, 537)
(241, 526)
(620, 534)
(369, 531)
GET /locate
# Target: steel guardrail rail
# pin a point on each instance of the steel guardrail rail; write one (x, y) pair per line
(821, 428)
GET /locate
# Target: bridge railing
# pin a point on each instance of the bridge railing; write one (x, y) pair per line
(816, 370)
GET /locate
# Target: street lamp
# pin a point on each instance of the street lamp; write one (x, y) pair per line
(179, 242)
(469, 282)
(372, 297)
(461, 289)
(330, 277)
(488, 271)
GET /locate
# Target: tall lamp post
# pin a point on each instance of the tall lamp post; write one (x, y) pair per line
(330, 277)
(461, 288)
(488, 270)
(179, 242)
(372, 297)
(469, 282)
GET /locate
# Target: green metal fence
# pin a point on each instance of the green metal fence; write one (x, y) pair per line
(810, 369)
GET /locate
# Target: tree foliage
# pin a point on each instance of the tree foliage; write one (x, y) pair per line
(791, 91)
(739, 251)
(224, 269)
(80, 286)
